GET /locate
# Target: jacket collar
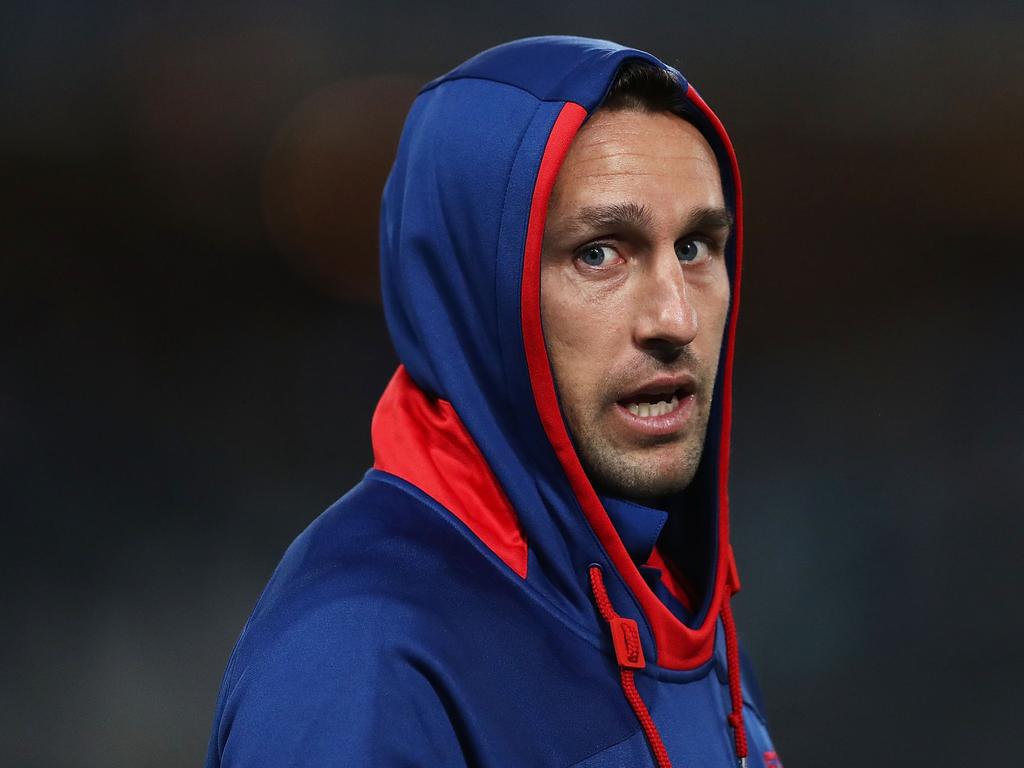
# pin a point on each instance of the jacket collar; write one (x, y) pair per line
(637, 525)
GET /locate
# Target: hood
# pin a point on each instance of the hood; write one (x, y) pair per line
(472, 416)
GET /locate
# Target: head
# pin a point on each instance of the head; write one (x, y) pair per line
(634, 288)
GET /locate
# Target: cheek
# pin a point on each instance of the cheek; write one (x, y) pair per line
(713, 311)
(565, 338)
(578, 329)
(711, 299)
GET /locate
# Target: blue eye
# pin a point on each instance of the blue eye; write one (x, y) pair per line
(692, 250)
(596, 255)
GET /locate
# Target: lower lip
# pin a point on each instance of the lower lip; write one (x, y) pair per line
(658, 426)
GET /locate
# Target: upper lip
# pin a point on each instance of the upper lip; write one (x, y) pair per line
(681, 384)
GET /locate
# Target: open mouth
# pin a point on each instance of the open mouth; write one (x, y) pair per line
(651, 404)
(656, 400)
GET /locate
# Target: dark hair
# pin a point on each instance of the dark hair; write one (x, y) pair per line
(643, 87)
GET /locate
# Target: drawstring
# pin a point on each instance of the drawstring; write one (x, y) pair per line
(732, 654)
(630, 655)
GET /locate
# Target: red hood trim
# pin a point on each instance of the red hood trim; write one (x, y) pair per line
(678, 646)
(423, 441)
(730, 572)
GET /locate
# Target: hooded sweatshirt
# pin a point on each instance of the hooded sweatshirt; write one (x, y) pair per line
(474, 601)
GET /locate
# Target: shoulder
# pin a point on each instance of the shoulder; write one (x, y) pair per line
(369, 549)
(377, 558)
(340, 645)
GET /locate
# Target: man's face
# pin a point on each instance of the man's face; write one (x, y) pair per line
(634, 297)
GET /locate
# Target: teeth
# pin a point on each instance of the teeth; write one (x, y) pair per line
(660, 408)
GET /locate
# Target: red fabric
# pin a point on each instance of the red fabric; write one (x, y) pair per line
(723, 466)
(423, 441)
(732, 653)
(626, 639)
(678, 646)
(731, 575)
(673, 579)
(629, 689)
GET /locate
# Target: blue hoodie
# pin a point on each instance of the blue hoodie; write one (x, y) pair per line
(474, 601)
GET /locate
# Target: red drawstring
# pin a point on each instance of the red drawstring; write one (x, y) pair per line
(630, 655)
(732, 653)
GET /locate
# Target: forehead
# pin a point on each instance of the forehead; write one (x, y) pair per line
(654, 158)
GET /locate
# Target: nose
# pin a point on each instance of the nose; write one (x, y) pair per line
(666, 319)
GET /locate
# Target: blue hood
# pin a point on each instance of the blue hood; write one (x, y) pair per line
(461, 227)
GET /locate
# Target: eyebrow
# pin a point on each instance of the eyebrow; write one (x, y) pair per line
(636, 216)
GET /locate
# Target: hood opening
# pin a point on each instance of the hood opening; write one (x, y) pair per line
(676, 644)
(462, 224)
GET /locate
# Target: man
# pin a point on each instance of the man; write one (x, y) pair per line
(537, 571)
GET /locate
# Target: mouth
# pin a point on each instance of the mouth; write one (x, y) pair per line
(658, 397)
(660, 407)
(652, 404)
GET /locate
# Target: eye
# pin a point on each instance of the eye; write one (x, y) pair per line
(597, 255)
(693, 251)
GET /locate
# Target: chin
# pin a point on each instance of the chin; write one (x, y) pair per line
(632, 479)
(641, 472)
(661, 487)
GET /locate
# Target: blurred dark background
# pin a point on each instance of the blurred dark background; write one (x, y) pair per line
(193, 346)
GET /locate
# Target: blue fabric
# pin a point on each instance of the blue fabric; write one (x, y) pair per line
(638, 525)
(390, 635)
